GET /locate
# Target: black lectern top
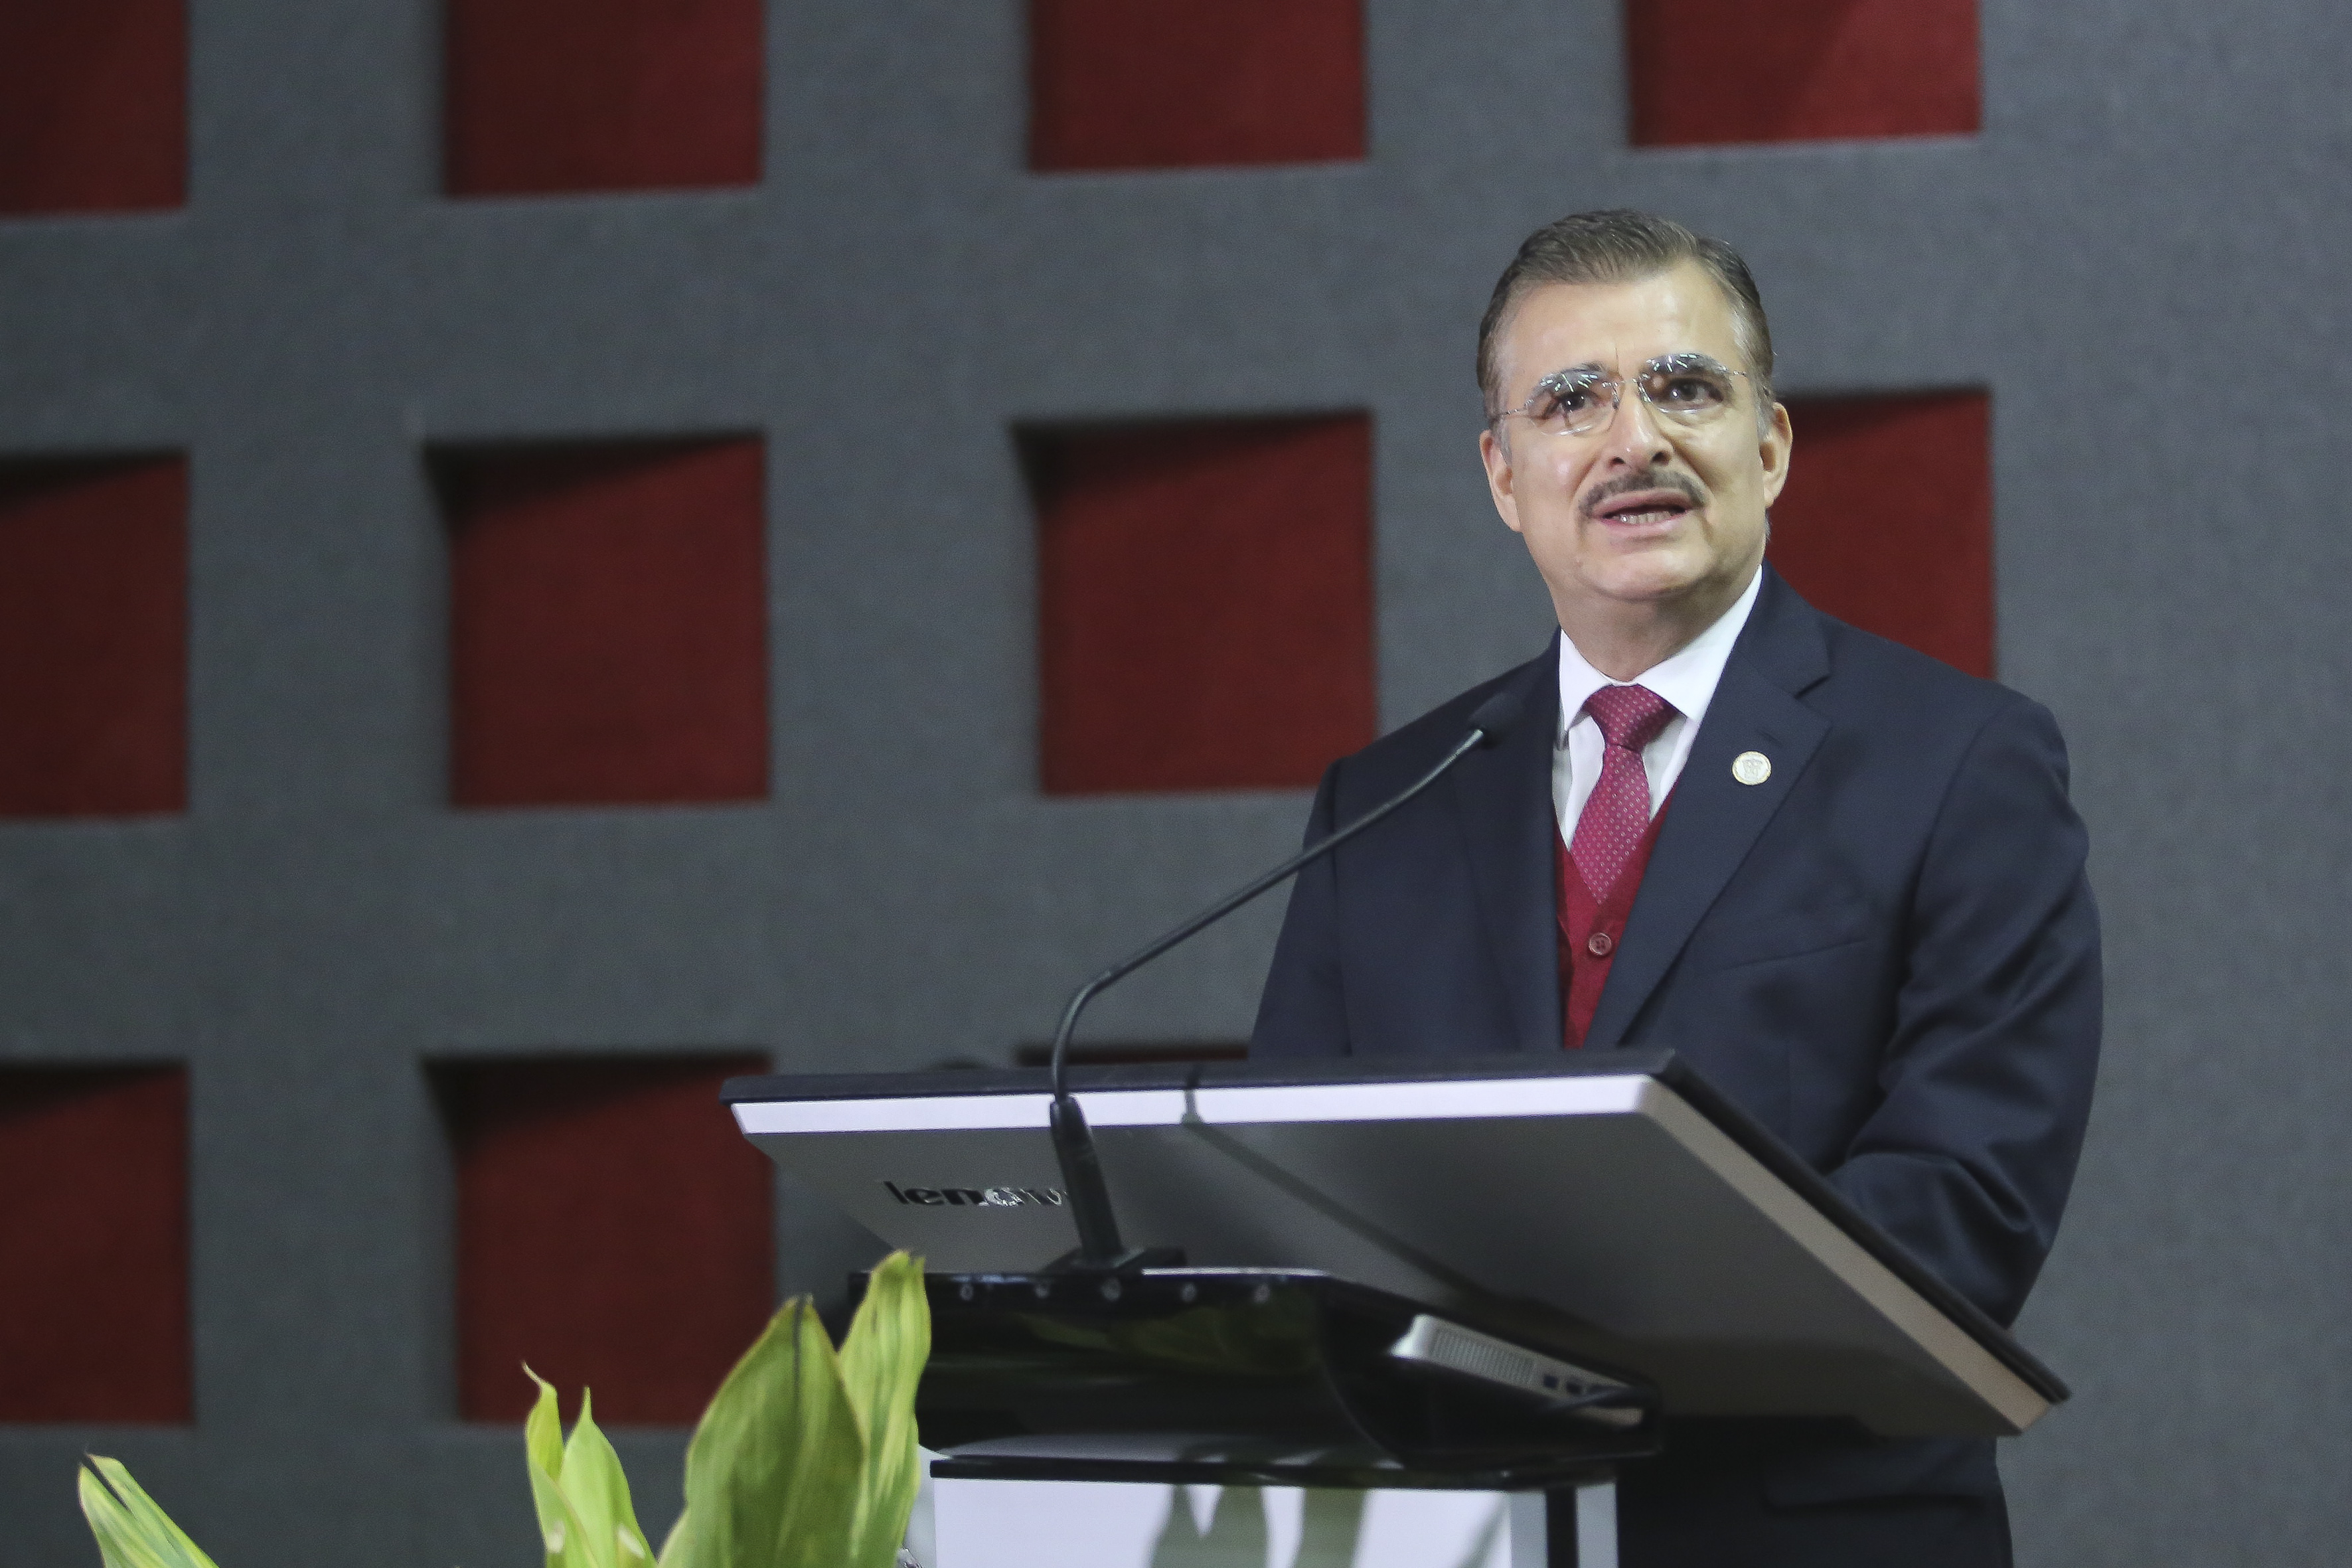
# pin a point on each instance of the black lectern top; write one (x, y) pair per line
(1615, 1208)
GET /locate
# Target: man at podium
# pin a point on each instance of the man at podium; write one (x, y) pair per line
(1843, 880)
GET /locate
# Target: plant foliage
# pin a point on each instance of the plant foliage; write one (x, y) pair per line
(580, 1490)
(805, 1459)
(131, 1530)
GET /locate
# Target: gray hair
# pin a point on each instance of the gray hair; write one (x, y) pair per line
(1619, 245)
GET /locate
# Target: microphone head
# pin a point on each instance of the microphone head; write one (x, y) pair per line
(1494, 715)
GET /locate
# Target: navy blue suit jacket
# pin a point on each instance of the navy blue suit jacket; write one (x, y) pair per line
(1886, 951)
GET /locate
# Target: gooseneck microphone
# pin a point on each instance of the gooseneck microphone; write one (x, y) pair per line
(1099, 1248)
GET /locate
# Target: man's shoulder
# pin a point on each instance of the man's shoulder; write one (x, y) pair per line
(1877, 682)
(1853, 677)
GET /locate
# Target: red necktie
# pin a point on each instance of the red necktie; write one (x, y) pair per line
(1617, 813)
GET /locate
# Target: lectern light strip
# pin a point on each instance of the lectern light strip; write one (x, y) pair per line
(1586, 1096)
(1228, 1106)
(934, 1113)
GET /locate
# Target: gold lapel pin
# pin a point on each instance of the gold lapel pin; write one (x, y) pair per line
(1751, 767)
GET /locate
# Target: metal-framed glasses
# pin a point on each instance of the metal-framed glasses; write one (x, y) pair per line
(1687, 389)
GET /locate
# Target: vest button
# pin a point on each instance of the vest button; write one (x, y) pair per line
(1599, 943)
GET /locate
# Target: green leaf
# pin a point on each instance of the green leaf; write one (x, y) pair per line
(598, 1490)
(772, 1477)
(569, 1540)
(882, 1362)
(542, 1446)
(132, 1531)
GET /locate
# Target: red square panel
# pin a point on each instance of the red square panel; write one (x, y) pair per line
(608, 612)
(94, 1229)
(93, 105)
(612, 1230)
(93, 637)
(1886, 521)
(1157, 84)
(1800, 70)
(1205, 603)
(602, 95)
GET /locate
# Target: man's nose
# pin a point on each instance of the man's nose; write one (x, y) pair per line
(1632, 436)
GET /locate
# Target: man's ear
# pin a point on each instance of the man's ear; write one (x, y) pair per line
(1779, 439)
(1499, 478)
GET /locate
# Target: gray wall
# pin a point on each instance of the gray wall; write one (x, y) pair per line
(2141, 255)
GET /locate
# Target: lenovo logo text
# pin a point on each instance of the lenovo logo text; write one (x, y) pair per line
(978, 1197)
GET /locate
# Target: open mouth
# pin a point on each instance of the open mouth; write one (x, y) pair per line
(1641, 507)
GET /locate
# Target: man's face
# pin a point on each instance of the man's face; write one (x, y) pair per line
(1643, 510)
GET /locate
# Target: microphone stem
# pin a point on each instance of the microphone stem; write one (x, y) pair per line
(1227, 905)
(1074, 1145)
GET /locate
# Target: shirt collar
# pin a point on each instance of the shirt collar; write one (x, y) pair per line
(1687, 678)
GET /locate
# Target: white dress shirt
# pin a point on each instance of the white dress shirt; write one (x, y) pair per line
(1688, 680)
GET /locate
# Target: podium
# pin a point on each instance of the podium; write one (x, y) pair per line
(1494, 1275)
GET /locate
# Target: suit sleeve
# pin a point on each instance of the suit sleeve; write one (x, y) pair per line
(1303, 1010)
(1987, 1079)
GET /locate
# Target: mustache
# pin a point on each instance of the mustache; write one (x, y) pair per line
(1682, 485)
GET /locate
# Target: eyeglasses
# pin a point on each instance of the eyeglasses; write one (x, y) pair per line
(1690, 389)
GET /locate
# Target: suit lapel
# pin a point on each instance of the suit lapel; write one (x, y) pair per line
(1502, 799)
(1714, 819)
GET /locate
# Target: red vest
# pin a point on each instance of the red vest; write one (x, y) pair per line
(1590, 928)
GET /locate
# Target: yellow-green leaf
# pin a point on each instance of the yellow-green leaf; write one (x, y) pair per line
(882, 1362)
(132, 1530)
(542, 1443)
(598, 1490)
(772, 1476)
(568, 1541)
